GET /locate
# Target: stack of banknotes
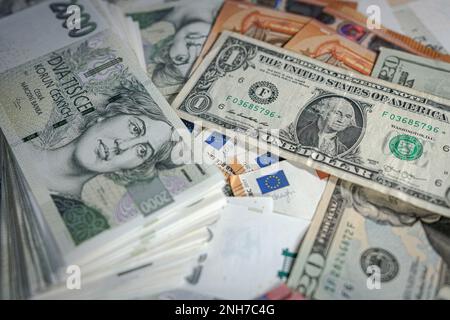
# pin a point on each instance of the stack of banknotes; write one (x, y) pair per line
(230, 149)
(96, 171)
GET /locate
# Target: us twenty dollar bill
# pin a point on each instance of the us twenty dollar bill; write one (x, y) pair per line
(431, 76)
(365, 130)
(366, 245)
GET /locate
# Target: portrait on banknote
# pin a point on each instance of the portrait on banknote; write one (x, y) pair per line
(331, 123)
(127, 140)
(386, 210)
(173, 38)
(103, 127)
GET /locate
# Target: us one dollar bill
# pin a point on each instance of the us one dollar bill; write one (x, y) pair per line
(366, 245)
(374, 133)
(423, 74)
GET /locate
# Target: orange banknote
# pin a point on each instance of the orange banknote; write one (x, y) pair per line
(317, 41)
(262, 23)
(352, 24)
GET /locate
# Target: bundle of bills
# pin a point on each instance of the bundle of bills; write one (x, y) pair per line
(248, 235)
(103, 188)
(97, 178)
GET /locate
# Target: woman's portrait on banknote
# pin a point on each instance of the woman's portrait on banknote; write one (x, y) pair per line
(129, 139)
(173, 44)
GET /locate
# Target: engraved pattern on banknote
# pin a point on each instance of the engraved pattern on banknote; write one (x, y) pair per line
(263, 92)
(384, 210)
(382, 258)
(234, 55)
(80, 61)
(412, 191)
(172, 39)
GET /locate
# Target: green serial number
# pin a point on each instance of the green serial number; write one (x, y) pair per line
(252, 106)
(410, 122)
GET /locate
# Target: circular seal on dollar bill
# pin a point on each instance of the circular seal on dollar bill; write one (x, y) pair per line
(381, 258)
(198, 103)
(406, 147)
(263, 92)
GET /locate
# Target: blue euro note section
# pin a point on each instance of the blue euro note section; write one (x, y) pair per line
(217, 140)
(272, 182)
(266, 159)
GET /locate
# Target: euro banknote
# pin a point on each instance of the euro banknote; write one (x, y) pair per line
(245, 236)
(295, 191)
(258, 22)
(231, 156)
(353, 25)
(317, 41)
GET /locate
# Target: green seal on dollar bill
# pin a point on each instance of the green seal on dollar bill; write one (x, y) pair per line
(406, 147)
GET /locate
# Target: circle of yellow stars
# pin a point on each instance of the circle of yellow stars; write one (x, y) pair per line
(270, 186)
